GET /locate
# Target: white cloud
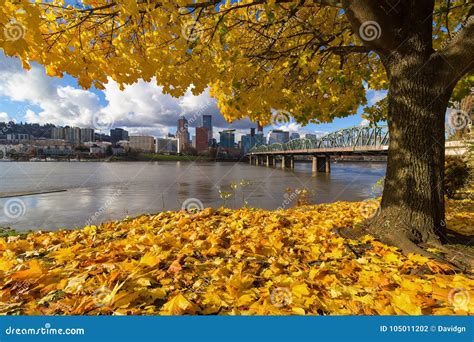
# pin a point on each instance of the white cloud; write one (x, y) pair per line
(31, 116)
(374, 96)
(141, 108)
(4, 117)
(365, 122)
(291, 127)
(62, 105)
(294, 127)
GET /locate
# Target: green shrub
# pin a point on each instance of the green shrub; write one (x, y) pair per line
(456, 174)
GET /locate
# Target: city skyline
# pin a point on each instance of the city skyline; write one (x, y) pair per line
(107, 132)
(182, 142)
(141, 108)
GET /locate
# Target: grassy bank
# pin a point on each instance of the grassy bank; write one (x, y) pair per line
(245, 261)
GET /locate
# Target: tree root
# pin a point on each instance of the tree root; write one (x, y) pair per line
(450, 256)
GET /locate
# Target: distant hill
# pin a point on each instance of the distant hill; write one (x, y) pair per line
(34, 129)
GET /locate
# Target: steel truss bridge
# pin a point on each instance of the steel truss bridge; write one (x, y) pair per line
(345, 141)
(360, 140)
(355, 140)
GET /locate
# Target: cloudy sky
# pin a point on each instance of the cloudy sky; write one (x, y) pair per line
(142, 108)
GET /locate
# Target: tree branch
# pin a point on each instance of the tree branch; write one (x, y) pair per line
(345, 50)
(458, 54)
(331, 3)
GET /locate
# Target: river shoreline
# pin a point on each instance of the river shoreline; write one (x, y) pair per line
(28, 193)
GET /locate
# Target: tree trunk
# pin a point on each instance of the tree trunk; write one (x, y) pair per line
(413, 198)
(421, 81)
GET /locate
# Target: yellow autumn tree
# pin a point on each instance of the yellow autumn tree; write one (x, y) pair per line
(309, 59)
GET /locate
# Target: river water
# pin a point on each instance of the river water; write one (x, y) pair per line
(98, 191)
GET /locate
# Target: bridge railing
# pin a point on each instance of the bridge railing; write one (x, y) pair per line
(349, 137)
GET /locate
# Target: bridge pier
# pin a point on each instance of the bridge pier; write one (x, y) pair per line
(321, 164)
(270, 160)
(287, 162)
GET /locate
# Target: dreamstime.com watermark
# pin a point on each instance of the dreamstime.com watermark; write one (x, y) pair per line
(196, 116)
(46, 330)
(289, 198)
(370, 31)
(370, 208)
(14, 208)
(102, 121)
(13, 31)
(103, 296)
(192, 204)
(455, 34)
(192, 31)
(459, 297)
(459, 119)
(281, 297)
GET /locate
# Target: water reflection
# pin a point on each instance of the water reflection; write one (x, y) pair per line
(115, 190)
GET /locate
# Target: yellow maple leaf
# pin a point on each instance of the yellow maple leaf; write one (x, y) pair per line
(178, 305)
(34, 271)
(300, 290)
(5, 264)
(298, 311)
(150, 259)
(403, 303)
(245, 299)
(63, 254)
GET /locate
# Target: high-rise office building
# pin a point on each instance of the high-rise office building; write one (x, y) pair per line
(278, 136)
(143, 143)
(182, 124)
(118, 134)
(260, 139)
(294, 135)
(202, 139)
(57, 133)
(213, 143)
(206, 121)
(250, 140)
(227, 138)
(167, 145)
(87, 134)
(73, 135)
(247, 142)
(182, 134)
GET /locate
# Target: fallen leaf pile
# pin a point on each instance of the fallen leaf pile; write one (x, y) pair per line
(460, 216)
(230, 262)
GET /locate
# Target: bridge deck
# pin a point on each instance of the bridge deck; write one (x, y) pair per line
(329, 151)
(354, 140)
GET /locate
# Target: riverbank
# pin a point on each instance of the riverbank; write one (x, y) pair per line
(160, 157)
(28, 193)
(245, 261)
(132, 158)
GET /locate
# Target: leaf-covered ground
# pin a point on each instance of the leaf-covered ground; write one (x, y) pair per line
(225, 261)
